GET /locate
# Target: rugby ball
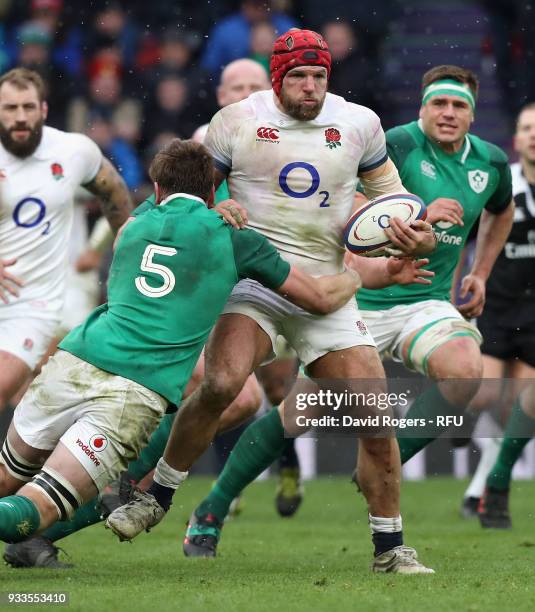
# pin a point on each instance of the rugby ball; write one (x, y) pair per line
(364, 233)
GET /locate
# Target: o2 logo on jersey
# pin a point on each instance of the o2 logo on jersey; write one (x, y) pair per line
(29, 213)
(314, 182)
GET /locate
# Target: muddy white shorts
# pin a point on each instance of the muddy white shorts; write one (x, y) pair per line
(311, 336)
(103, 419)
(392, 326)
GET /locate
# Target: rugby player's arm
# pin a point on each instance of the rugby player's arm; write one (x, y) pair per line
(381, 272)
(491, 236)
(320, 295)
(115, 200)
(231, 211)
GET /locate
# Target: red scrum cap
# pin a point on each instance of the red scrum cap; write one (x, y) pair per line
(297, 48)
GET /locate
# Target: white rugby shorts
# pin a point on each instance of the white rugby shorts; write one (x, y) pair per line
(311, 336)
(27, 338)
(103, 419)
(392, 326)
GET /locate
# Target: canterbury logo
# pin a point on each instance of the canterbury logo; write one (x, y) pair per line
(267, 133)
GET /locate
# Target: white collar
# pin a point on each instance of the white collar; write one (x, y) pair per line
(181, 195)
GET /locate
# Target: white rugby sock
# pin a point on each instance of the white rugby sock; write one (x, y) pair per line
(490, 448)
(167, 476)
(381, 524)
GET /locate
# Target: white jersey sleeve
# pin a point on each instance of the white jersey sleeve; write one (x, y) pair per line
(374, 154)
(87, 158)
(218, 142)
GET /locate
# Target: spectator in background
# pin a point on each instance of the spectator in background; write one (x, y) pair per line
(230, 38)
(112, 28)
(105, 98)
(354, 76)
(120, 152)
(371, 24)
(170, 110)
(175, 55)
(512, 26)
(35, 53)
(262, 39)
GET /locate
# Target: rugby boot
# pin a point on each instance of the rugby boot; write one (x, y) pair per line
(400, 560)
(202, 536)
(493, 509)
(289, 492)
(35, 552)
(140, 514)
(469, 507)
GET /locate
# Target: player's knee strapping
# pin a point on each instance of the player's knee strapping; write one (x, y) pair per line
(433, 336)
(59, 491)
(16, 465)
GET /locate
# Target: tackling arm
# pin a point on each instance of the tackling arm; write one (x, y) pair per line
(320, 295)
(115, 200)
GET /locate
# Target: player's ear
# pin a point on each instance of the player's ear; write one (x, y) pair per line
(157, 192)
(210, 201)
(44, 110)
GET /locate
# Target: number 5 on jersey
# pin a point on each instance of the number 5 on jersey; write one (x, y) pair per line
(147, 265)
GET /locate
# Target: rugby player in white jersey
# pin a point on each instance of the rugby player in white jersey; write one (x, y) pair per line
(40, 168)
(292, 157)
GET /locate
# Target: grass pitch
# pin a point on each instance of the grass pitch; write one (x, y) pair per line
(318, 560)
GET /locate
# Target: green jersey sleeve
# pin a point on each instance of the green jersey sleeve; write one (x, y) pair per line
(399, 144)
(145, 205)
(503, 193)
(258, 259)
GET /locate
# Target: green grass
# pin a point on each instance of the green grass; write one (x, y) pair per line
(318, 560)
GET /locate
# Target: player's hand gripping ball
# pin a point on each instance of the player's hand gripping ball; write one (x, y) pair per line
(364, 233)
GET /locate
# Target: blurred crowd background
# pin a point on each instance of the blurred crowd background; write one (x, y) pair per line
(132, 74)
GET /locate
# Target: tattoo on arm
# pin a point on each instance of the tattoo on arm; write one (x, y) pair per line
(115, 201)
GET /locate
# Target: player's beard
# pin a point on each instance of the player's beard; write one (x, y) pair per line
(22, 148)
(299, 111)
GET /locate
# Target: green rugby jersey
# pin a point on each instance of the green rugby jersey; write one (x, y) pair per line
(478, 176)
(172, 272)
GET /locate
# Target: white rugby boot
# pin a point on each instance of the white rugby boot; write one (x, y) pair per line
(400, 560)
(138, 515)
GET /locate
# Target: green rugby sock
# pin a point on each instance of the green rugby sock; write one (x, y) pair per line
(19, 518)
(428, 405)
(150, 455)
(258, 446)
(518, 432)
(85, 516)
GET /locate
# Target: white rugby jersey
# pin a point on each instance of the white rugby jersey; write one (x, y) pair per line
(36, 210)
(297, 178)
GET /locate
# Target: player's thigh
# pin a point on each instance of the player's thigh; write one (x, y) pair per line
(64, 463)
(237, 345)
(337, 345)
(438, 342)
(23, 343)
(13, 374)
